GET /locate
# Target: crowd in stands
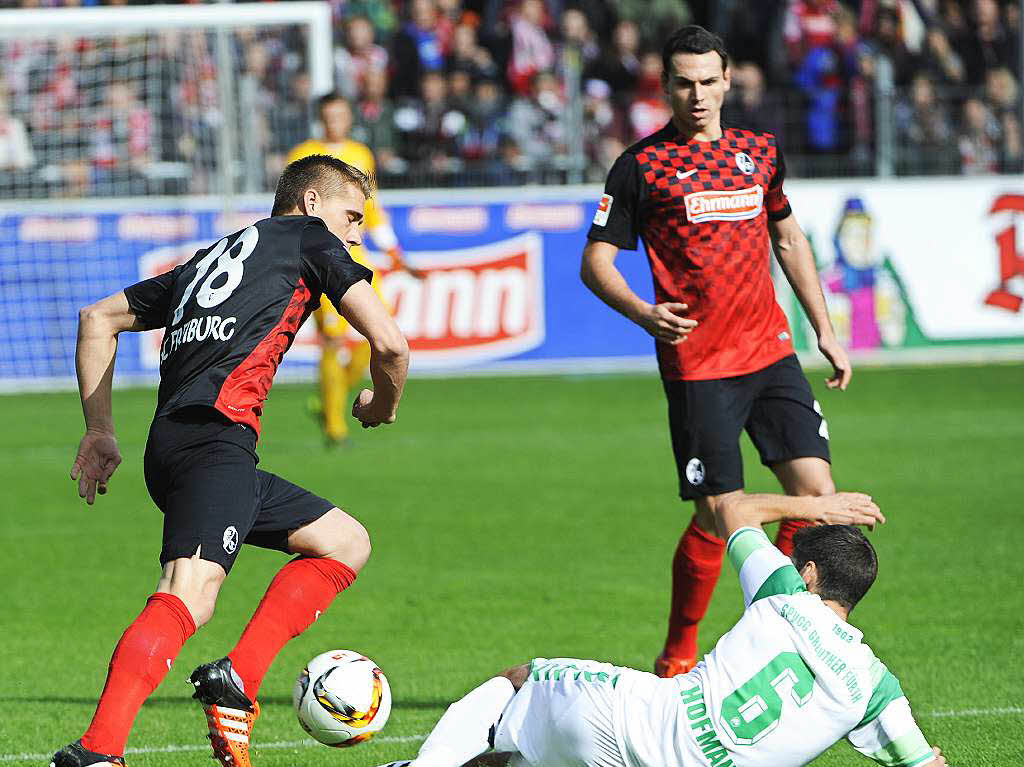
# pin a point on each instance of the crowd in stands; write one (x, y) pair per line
(471, 92)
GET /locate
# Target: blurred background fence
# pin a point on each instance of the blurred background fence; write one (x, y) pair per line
(456, 93)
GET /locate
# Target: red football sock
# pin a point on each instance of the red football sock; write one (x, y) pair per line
(141, 660)
(784, 537)
(695, 569)
(300, 591)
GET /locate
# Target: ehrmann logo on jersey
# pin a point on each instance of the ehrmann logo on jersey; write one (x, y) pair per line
(732, 205)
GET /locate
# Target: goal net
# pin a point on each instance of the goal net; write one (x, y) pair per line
(126, 136)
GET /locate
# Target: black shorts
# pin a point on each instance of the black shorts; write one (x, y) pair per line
(201, 472)
(776, 407)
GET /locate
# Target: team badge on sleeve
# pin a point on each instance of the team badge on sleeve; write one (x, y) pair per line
(603, 209)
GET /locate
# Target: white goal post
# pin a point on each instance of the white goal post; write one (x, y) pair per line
(108, 98)
(115, 20)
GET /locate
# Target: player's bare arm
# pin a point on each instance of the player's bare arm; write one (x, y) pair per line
(756, 509)
(98, 327)
(797, 261)
(389, 355)
(666, 322)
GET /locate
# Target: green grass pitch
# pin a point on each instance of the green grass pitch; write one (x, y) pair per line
(511, 518)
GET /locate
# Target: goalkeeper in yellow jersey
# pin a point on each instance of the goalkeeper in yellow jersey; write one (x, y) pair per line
(335, 381)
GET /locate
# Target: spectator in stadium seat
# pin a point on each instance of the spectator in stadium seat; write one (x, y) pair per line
(989, 46)
(1011, 150)
(486, 124)
(749, 104)
(939, 59)
(924, 132)
(417, 48)
(532, 50)
(468, 54)
(15, 150)
(121, 141)
(289, 123)
(979, 139)
(620, 65)
(357, 56)
(460, 89)
(1001, 90)
(577, 34)
(889, 42)
(820, 80)
(374, 123)
(535, 122)
(808, 24)
(648, 110)
(604, 129)
(428, 128)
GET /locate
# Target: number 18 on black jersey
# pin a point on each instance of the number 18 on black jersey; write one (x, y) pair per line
(231, 312)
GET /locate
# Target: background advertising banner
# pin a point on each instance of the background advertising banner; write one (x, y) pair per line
(904, 264)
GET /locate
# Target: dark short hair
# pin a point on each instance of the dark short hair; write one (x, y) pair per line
(845, 560)
(326, 174)
(329, 98)
(692, 39)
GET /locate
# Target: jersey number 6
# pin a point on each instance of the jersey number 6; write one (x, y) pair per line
(227, 264)
(754, 708)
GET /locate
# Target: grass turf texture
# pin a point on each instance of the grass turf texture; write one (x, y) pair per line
(512, 518)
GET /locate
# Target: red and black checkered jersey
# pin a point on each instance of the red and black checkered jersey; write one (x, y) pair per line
(702, 209)
(231, 312)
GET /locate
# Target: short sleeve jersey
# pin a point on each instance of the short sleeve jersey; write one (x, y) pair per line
(789, 680)
(701, 209)
(231, 312)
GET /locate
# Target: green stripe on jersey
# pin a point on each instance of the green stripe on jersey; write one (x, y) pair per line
(785, 580)
(908, 751)
(886, 689)
(743, 543)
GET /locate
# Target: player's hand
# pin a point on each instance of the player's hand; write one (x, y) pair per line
(98, 457)
(667, 322)
(364, 412)
(846, 509)
(939, 760)
(842, 371)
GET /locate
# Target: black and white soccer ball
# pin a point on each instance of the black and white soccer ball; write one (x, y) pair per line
(342, 698)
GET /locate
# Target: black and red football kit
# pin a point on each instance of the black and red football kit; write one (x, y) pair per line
(229, 314)
(701, 209)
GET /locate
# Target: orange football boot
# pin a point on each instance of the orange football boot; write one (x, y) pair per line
(230, 715)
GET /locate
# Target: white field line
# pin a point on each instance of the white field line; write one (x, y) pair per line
(173, 749)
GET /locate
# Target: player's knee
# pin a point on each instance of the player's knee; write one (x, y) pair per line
(354, 548)
(517, 675)
(336, 536)
(196, 582)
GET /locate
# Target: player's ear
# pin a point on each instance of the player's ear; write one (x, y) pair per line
(727, 77)
(809, 572)
(311, 202)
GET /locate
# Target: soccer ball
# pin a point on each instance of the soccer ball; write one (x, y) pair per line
(341, 698)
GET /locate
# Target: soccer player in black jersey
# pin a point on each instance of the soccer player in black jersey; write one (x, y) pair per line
(229, 314)
(708, 201)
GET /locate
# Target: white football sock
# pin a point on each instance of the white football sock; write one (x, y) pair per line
(462, 732)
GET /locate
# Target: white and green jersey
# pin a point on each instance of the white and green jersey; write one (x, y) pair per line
(789, 680)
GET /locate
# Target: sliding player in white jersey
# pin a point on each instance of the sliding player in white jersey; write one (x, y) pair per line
(791, 678)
